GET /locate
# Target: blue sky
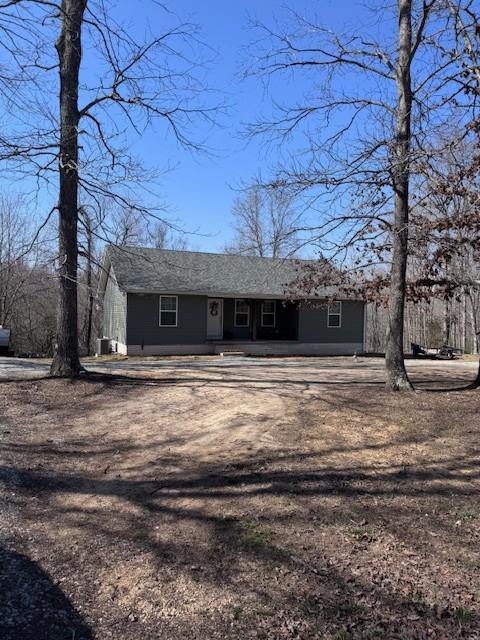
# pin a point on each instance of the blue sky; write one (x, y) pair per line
(199, 190)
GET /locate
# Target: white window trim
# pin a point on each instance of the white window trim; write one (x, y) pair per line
(339, 314)
(241, 326)
(167, 326)
(269, 326)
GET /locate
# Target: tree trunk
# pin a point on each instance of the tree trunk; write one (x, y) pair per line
(66, 362)
(476, 383)
(397, 378)
(474, 324)
(447, 324)
(88, 339)
(476, 346)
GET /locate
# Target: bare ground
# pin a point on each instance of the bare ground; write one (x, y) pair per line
(295, 500)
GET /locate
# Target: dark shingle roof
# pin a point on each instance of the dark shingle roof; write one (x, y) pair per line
(158, 270)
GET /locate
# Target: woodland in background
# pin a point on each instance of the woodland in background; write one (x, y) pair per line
(28, 283)
(28, 298)
(28, 279)
(429, 324)
(393, 177)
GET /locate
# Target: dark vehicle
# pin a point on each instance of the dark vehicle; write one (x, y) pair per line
(417, 350)
(449, 352)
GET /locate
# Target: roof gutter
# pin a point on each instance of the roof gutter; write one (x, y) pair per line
(233, 296)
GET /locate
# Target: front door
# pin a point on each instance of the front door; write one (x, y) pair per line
(215, 319)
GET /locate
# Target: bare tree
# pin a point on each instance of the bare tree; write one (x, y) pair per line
(396, 373)
(129, 227)
(448, 228)
(34, 321)
(164, 235)
(14, 239)
(358, 136)
(66, 361)
(443, 277)
(140, 84)
(466, 18)
(447, 244)
(267, 222)
(91, 273)
(27, 288)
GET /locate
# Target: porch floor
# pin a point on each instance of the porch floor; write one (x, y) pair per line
(246, 341)
(281, 347)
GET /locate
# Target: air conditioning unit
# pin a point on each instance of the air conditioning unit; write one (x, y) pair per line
(103, 346)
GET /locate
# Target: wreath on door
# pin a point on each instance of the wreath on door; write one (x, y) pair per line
(214, 308)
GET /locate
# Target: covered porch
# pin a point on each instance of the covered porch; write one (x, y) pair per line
(251, 320)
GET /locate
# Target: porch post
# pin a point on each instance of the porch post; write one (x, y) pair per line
(254, 319)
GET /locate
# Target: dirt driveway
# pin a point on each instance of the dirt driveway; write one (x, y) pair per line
(217, 499)
(318, 371)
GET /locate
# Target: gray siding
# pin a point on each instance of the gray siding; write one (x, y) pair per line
(312, 324)
(114, 311)
(143, 326)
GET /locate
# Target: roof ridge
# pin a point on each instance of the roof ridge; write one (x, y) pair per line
(211, 253)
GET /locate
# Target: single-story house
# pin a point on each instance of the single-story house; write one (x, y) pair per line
(158, 302)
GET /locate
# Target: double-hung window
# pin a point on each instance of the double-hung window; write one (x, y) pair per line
(168, 311)
(268, 313)
(334, 315)
(242, 313)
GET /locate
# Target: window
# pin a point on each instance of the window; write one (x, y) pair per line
(268, 313)
(242, 313)
(335, 315)
(168, 311)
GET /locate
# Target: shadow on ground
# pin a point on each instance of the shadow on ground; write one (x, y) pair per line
(357, 520)
(259, 533)
(32, 607)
